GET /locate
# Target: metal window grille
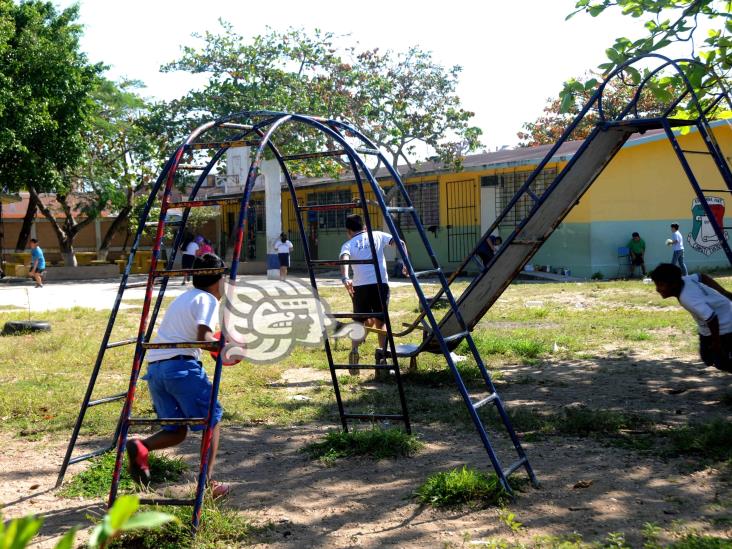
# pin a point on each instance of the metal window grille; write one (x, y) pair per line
(509, 183)
(426, 199)
(258, 207)
(331, 220)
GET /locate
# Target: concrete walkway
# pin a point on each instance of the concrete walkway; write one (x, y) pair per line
(92, 294)
(18, 294)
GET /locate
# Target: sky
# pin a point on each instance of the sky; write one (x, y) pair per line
(515, 54)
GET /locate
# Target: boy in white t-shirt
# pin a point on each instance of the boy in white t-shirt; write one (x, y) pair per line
(365, 291)
(177, 381)
(709, 304)
(677, 245)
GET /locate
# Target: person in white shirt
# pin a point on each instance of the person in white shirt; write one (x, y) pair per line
(178, 384)
(190, 247)
(365, 291)
(709, 304)
(677, 243)
(283, 247)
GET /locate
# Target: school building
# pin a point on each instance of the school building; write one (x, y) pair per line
(643, 189)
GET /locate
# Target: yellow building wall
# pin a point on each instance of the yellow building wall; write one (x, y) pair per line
(646, 181)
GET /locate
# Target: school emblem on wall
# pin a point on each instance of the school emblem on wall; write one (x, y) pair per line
(702, 237)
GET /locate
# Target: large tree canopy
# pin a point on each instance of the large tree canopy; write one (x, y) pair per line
(555, 118)
(704, 25)
(398, 99)
(45, 85)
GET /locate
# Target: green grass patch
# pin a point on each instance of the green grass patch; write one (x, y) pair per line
(518, 345)
(582, 421)
(695, 541)
(459, 487)
(711, 440)
(219, 527)
(375, 443)
(96, 479)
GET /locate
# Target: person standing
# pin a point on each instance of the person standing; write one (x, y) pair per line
(709, 305)
(283, 247)
(677, 245)
(189, 247)
(38, 263)
(365, 291)
(637, 247)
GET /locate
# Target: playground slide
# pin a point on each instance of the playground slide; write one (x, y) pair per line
(566, 190)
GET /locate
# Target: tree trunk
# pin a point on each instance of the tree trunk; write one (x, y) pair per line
(117, 224)
(65, 239)
(25, 229)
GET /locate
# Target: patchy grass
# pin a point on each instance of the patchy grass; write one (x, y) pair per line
(582, 421)
(695, 541)
(220, 527)
(711, 440)
(96, 479)
(459, 487)
(375, 443)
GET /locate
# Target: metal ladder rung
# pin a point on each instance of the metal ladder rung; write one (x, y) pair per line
(363, 366)
(400, 209)
(396, 417)
(206, 345)
(485, 401)
(526, 242)
(167, 421)
(121, 343)
(456, 336)
(104, 400)
(428, 272)
(221, 144)
(355, 315)
(95, 453)
(191, 167)
(335, 262)
(204, 203)
(515, 465)
(183, 272)
(306, 156)
(236, 126)
(694, 152)
(167, 501)
(716, 190)
(364, 150)
(331, 207)
(138, 285)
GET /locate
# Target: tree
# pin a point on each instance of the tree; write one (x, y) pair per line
(120, 163)
(671, 22)
(45, 84)
(548, 128)
(399, 99)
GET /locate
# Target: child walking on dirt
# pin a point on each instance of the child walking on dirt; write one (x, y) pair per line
(177, 381)
(709, 304)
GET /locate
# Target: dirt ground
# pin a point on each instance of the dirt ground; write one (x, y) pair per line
(360, 503)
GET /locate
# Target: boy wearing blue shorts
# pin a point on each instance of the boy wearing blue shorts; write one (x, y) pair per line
(177, 381)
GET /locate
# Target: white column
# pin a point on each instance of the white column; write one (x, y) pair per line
(273, 213)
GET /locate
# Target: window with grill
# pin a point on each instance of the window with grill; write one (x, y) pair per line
(426, 199)
(508, 185)
(258, 207)
(334, 219)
